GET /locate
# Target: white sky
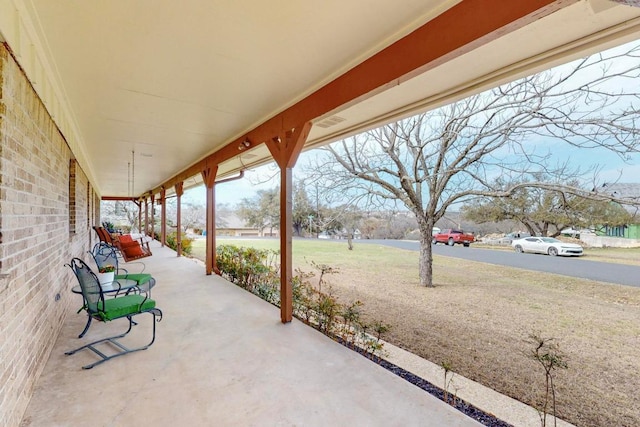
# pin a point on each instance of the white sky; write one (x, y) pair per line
(612, 169)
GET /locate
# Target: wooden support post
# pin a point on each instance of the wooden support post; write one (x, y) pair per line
(286, 244)
(163, 217)
(153, 215)
(179, 192)
(285, 149)
(209, 177)
(138, 203)
(146, 216)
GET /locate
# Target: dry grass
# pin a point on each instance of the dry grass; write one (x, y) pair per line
(614, 255)
(480, 326)
(478, 318)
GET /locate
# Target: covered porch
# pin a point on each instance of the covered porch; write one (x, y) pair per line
(141, 100)
(222, 357)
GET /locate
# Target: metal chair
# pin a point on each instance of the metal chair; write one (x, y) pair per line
(106, 309)
(105, 254)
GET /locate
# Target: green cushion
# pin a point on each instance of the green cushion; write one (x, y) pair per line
(116, 308)
(141, 278)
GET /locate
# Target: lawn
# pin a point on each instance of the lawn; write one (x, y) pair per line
(478, 318)
(614, 255)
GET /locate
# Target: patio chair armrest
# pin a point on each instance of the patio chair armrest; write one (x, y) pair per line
(138, 267)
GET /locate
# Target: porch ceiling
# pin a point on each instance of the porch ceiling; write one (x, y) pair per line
(176, 81)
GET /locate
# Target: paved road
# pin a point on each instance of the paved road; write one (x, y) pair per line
(568, 266)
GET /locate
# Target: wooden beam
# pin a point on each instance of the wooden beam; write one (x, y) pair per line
(119, 199)
(460, 29)
(286, 148)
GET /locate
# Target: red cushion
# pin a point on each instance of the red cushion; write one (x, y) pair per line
(126, 238)
(133, 251)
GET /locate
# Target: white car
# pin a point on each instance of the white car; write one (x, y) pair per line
(546, 245)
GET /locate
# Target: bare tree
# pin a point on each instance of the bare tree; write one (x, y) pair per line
(438, 160)
(304, 214)
(120, 212)
(261, 211)
(192, 213)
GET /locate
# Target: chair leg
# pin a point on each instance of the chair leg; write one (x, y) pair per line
(157, 316)
(86, 327)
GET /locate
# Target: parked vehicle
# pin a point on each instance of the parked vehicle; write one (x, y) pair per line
(546, 245)
(452, 236)
(509, 238)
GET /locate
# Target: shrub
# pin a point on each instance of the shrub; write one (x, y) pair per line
(258, 272)
(186, 243)
(109, 226)
(252, 269)
(546, 352)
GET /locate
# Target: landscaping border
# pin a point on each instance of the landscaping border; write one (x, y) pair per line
(466, 408)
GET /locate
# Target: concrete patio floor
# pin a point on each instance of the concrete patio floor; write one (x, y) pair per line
(222, 358)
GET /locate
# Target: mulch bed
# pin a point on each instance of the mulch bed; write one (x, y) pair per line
(462, 406)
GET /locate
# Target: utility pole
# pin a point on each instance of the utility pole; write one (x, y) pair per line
(317, 207)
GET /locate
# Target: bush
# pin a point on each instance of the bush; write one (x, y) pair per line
(258, 272)
(252, 269)
(186, 243)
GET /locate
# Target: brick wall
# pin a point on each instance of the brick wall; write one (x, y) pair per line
(36, 239)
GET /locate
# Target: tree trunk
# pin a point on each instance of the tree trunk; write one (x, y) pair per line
(426, 258)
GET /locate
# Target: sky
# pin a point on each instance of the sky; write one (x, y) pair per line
(267, 177)
(611, 167)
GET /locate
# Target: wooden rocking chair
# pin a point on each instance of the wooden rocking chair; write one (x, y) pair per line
(129, 248)
(132, 249)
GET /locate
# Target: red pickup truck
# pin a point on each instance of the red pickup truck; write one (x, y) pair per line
(451, 236)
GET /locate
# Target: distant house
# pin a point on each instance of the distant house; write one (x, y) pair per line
(230, 224)
(624, 191)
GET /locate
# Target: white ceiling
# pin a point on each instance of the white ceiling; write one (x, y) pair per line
(175, 81)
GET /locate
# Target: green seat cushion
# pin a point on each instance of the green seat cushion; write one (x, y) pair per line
(140, 278)
(116, 308)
